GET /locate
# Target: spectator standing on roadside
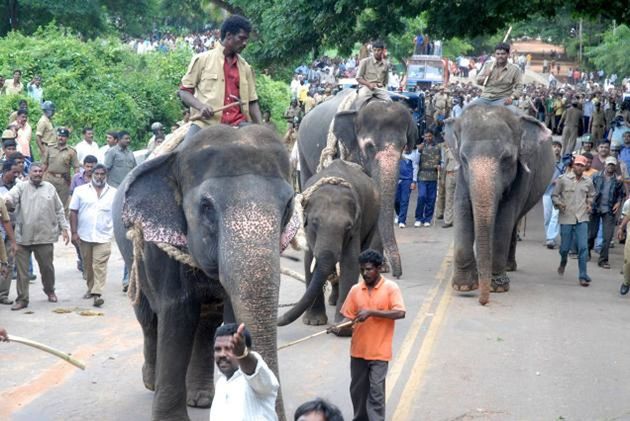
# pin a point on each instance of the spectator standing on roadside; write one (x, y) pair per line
(41, 218)
(24, 134)
(111, 140)
(247, 388)
(14, 86)
(87, 146)
(373, 304)
(119, 160)
(45, 132)
(571, 119)
(81, 177)
(597, 122)
(550, 213)
(92, 229)
(430, 161)
(7, 181)
(58, 162)
(609, 194)
(573, 197)
(603, 152)
(35, 90)
(22, 105)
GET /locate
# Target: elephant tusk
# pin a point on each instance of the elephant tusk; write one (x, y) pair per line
(313, 263)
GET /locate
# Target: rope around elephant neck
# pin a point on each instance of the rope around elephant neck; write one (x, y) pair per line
(332, 143)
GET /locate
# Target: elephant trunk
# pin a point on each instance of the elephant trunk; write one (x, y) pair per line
(483, 184)
(249, 270)
(323, 268)
(385, 172)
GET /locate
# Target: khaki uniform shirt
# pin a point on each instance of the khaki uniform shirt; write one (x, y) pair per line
(450, 163)
(373, 71)
(572, 117)
(205, 75)
(503, 82)
(59, 160)
(440, 102)
(11, 89)
(40, 214)
(576, 195)
(4, 215)
(46, 131)
(598, 118)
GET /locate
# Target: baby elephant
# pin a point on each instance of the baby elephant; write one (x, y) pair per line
(341, 207)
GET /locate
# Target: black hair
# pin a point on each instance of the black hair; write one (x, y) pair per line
(22, 102)
(7, 165)
(8, 143)
(371, 256)
(87, 129)
(378, 44)
(36, 164)
(503, 46)
(18, 71)
(588, 155)
(113, 134)
(22, 112)
(230, 329)
(234, 24)
(329, 411)
(100, 167)
(90, 159)
(122, 134)
(604, 141)
(16, 155)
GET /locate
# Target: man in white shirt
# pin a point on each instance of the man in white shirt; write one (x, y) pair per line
(92, 229)
(247, 388)
(111, 140)
(87, 146)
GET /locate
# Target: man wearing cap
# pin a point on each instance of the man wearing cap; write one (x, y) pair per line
(45, 132)
(573, 196)
(609, 193)
(220, 77)
(587, 146)
(571, 120)
(58, 162)
(552, 229)
(372, 76)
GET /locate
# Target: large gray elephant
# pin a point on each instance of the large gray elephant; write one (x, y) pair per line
(340, 220)
(217, 203)
(506, 164)
(373, 137)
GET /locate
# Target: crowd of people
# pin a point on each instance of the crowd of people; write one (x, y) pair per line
(198, 42)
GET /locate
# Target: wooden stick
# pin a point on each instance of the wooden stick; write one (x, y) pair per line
(46, 348)
(221, 108)
(340, 325)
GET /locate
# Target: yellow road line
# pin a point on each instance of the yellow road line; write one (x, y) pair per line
(414, 329)
(412, 388)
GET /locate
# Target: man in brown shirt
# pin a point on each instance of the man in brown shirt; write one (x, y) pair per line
(372, 75)
(571, 119)
(573, 197)
(45, 132)
(57, 163)
(501, 81)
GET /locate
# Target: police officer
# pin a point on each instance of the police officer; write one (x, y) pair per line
(45, 131)
(58, 162)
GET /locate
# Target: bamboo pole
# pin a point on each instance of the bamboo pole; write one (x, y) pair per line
(340, 325)
(66, 357)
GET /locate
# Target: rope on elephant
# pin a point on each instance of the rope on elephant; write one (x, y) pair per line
(332, 143)
(293, 274)
(137, 240)
(306, 194)
(177, 254)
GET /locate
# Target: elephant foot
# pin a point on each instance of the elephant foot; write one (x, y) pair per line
(464, 281)
(314, 319)
(199, 398)
(500, 283)
(385, 267)
(511, 266)
(148, 376)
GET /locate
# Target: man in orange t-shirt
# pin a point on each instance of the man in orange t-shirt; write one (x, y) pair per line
(373, 304)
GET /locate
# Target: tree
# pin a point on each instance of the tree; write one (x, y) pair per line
(613, 54)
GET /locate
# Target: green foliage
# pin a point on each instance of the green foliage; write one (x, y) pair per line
(455, 47)
(274, 96)
(613, 54)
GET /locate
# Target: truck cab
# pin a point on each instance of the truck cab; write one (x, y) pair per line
(424, 72)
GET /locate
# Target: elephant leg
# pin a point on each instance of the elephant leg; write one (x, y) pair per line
(350, 271)
(505, 234)
(148, 321)
(315, 315)
(177, 325)
(465, 269)
(199, 377)
(511, 259)
(333, 298)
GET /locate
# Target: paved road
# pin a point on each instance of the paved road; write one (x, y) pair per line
(547, 349)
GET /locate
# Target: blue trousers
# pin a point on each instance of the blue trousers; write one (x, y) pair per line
(426, 201)
(579, 233)
(403, 193)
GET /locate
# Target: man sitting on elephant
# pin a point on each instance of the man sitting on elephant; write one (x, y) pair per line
(501, 80)
(220, 77)
(372, 76)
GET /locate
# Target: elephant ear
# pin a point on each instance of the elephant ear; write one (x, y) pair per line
(533, 134)
(451, 135)
(412, 133)
(345, 131)
(153, 200)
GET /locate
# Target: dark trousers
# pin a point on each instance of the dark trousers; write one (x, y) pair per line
(426, 200)
(403, 193)
(44, 255)
(608, 225)
(579, 233)
(367, 389)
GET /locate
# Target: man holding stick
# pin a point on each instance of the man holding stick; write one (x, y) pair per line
(501, 80)
(373, 304)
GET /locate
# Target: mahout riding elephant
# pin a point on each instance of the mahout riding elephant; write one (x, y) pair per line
(341, 207)
(506, 164)
(374, 137)
(210, 215)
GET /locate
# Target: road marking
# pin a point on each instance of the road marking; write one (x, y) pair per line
(411, 389)
(412, 334)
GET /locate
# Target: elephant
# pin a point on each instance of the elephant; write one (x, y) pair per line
(374, 137)
(210, 215)
(341, 208)
(506, 163)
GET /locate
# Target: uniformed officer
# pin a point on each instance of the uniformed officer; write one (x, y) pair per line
(571, 119)
(372, 75)
(427, 180)
(45, 132)
(58, 162)
(451, 166)
(440, 103)
(598, 122)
